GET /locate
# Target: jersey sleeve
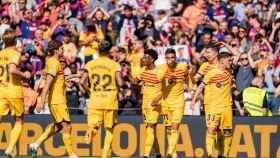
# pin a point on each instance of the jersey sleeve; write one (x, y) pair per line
(201, 69)
(87, 67)
(52, 68)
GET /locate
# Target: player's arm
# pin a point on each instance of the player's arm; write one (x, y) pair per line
(15, 71)
(119, 79)
(196, 94)
(45, 91)
(14, 64)
(83, 81)
(156, 100)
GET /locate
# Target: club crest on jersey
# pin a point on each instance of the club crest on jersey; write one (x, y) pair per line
(218, 85)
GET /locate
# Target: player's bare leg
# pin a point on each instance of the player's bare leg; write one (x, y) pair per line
(15, 134)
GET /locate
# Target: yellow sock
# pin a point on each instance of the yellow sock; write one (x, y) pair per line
(107, 143)
(173, 141)
(150, 137)
(92, 132)
(227, 144)
(210, 143)
(50, 131)
(14, 136)
(168, 135)
(67, 143)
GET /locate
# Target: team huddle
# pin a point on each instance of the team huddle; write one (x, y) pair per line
(162, 87)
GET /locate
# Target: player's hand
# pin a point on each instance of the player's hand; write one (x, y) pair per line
(27, 75)
(40, 105)
(242, 112)
(154, 102)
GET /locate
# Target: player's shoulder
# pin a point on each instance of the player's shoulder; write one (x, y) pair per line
(10, 52)
(182, 66)
(52, 61)
(204, 65)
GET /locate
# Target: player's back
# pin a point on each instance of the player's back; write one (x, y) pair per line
(10, 82)
(102, 76)
(218, 85)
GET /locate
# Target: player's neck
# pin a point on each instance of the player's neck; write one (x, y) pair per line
(221, 66)
(11, 47)
(172, 67)
(215, 61)
(150, 67)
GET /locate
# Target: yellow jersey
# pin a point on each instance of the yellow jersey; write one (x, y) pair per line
(205, 67)
(102, 77)
(135, 60)
(10, 82)
(173, 93)
(57, 93)
(151, 85)
(218, 90)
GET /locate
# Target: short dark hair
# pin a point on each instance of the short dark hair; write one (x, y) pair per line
(170, 51)
(213, 45)
(54, 45)
(9, 38)
(104, 47)
(152, 53)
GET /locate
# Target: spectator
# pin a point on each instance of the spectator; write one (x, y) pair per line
(127, 25)
(72, 81)
(194, 15)
(244, 71)
(254, 100)
(146, 29)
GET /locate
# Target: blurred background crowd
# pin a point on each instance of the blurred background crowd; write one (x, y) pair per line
(249, 27)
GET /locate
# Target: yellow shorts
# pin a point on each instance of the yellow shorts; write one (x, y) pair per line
(220, 121)
(59, 113)
(172, 115)
(151, 115)
(97, 117)
(13, 105)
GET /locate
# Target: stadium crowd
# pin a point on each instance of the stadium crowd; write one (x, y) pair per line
(249, 29)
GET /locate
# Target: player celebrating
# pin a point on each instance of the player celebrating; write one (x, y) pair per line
(104, 77)
(150, 77)
(217, 85)
(11, 95)
(55, 89)
(173, 97)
